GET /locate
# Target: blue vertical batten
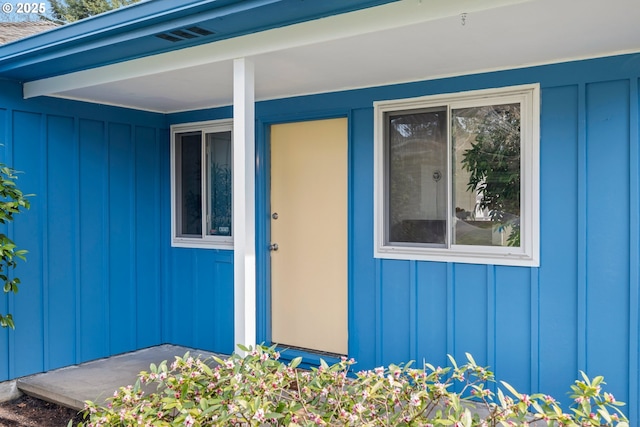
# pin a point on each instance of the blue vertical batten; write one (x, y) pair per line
(201, 299)
(181, 302)
(582, 188)
(470, 315)
(558, 273)
(77, 240)
(608, 231)
(147, 223)
(212, 301)
(4, 299)
(222, 339)
(634, 247)
(93, 260)
(165, 237)
(534, 354)
(61, 218)
(28, 155)
(122, 296)
(513, 326)
(413, 309)
(431, 316)
(492, 313)
(394, 311)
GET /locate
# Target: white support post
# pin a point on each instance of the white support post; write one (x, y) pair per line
(244, 218)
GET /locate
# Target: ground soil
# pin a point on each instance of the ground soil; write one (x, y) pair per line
(27, 411)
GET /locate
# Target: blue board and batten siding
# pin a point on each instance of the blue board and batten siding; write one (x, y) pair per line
(92, 280)
(102, 277)
(537, 327)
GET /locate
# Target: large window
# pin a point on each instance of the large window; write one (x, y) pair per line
(457, 177)
(201, 159)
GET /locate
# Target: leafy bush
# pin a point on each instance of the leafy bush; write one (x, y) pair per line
(259, 390)
(12, 202)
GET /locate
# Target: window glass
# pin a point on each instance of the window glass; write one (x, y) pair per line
(417, 192)
(188, 175)
(219, 163)
(201, 190)
(486, 175)
(457, 177)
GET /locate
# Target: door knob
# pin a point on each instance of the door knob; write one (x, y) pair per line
(273, 247)
(275, 215)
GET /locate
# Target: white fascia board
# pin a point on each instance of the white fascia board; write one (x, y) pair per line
(388, 16)
(103, 37)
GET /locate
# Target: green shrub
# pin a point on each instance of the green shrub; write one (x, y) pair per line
(259, 390)
(12, 202)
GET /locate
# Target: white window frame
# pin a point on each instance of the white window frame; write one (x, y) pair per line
(528, 253)
(204, 241)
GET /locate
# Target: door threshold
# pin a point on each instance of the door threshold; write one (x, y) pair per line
(310, 357)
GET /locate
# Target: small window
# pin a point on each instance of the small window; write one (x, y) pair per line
(457, 177)
(201, 161)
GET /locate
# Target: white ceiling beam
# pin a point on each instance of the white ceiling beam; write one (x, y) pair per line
(392, 15)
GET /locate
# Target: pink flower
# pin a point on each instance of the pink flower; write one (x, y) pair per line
(189, 421)
(259, 415)
(415, 400)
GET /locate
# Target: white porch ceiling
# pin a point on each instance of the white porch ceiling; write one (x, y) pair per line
(405, 41)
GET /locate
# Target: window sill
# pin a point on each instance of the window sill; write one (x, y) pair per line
(483, 255)
(201, 244)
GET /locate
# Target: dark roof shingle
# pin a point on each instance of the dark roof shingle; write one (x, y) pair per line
(10, 31)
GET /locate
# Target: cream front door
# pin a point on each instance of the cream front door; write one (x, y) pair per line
(309, 227)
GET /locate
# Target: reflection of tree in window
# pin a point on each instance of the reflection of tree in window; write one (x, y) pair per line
(219, 149)
(190, 179)
(488, 139)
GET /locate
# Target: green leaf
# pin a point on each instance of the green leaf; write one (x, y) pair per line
(218, 360)
(605, 414)
(470, 359)
(295, 362)
(511, 389)
(274, 415)
(453, 361)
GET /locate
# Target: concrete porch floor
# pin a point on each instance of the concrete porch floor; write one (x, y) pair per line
(98, 379)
